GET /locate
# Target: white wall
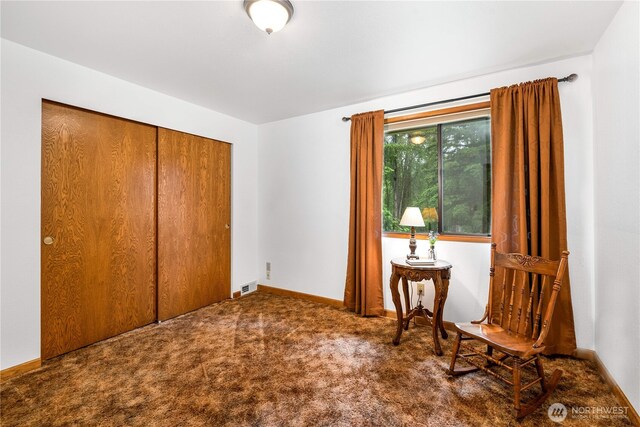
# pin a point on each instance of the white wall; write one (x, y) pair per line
(303, 195)
(616, 75)
(29, 76)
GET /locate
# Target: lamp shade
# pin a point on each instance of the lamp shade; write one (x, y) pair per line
(269, 15)
(412, 217)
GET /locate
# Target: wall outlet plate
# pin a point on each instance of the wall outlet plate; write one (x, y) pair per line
(421, 288)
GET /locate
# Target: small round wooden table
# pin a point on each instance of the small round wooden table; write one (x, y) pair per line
(439, 273)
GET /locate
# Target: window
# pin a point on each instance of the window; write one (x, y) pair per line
(443, 166)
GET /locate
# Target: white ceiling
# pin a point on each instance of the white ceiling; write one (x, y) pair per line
(331, 54)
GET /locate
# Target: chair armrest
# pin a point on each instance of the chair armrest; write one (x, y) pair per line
(484, 317)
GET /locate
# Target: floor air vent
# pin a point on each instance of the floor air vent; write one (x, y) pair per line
(249, 287)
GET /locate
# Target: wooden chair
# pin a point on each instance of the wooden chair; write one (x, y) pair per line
(529, 290)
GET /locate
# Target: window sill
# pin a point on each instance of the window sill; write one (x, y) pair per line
(442, 237)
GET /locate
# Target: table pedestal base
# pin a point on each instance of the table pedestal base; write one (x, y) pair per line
(421, 311)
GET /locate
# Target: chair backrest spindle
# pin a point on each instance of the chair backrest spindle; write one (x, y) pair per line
(536, 321)
(514, 284)
(522, 288)
(504, 288)
(534, 289)
(492, 273)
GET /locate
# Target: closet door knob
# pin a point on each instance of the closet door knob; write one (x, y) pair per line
(48, 240)
(226, 226)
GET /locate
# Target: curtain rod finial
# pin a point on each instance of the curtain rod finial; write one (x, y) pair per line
(571, 77)
(346, 119)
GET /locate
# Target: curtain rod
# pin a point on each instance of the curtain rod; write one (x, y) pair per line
(570, 78)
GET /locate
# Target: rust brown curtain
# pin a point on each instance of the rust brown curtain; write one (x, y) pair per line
(363, 287)
(528, 196)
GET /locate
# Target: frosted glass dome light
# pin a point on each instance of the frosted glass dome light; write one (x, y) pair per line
(269, 15)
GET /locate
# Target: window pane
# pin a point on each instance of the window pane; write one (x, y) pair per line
(410, 175)
(466, 177)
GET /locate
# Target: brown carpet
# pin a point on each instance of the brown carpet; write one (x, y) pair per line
(265, 360)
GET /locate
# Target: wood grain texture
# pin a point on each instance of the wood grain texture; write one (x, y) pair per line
(440, 112)
(16, 371)
(194, 213)
(98, 204)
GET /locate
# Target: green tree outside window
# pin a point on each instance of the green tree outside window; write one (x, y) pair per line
(416, 161)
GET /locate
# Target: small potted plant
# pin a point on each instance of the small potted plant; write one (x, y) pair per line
(433, 238)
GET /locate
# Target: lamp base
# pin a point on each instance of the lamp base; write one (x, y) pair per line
(413, 245)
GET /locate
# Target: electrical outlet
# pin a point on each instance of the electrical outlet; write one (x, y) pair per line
(268, 271)
(420, 288)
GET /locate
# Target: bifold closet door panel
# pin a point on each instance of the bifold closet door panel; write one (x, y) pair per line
(194, 214)
(98, 248)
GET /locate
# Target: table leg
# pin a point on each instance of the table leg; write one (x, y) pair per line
(445, 291)
(405, 291)
(437, 282)
(395, 295)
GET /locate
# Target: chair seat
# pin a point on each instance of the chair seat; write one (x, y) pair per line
(497, 337)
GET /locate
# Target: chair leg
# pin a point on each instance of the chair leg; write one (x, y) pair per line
(516, 387)
(550, 386)
(452, 368)
(540, 369)
(490, 354)
(547, 388)
(454, 354)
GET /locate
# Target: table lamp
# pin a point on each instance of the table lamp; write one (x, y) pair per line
(412, 217)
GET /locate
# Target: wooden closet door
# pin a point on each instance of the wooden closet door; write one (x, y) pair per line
(98, 253)
(194, 213)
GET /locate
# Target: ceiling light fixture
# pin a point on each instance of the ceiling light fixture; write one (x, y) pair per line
(269, 15)
(418, 139)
